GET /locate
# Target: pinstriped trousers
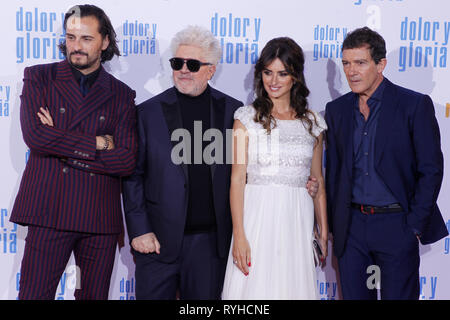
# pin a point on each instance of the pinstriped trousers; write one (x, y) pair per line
(46, 254)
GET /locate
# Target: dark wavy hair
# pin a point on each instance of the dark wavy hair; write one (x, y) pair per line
(291, 55)
(105, 29)
(365, 37)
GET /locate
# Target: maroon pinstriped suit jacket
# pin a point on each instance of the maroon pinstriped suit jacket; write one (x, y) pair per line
(67, 184)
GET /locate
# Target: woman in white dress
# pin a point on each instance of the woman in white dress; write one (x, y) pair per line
(271, 254)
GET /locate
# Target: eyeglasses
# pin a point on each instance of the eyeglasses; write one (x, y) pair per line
(192, 64)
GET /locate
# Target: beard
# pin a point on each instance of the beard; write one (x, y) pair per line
(82, 66)
(192, 89)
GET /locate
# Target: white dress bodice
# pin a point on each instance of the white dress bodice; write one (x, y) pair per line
(282, 157)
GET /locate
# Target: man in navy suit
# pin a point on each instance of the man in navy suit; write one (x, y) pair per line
(177, 202)
(79, 123)
(383, 174)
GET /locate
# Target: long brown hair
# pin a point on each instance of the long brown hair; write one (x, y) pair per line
(291, 55)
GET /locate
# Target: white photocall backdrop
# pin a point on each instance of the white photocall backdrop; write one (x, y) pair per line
(416, 32)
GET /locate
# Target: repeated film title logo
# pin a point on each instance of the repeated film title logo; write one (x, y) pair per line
(8, 245)
(425, 43)
(139, 38)
(428, 284)
(327, 290)
(328, 39)
(8, 235)
(70, 280)
(5, 100)
(238, 36)
(40, 32)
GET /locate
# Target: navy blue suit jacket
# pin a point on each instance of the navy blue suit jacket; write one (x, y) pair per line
(408, 158)
(156, 195)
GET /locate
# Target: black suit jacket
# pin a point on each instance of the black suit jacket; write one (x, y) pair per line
(156, 195)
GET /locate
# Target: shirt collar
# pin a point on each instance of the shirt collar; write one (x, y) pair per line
(376, 96)
(91, 77)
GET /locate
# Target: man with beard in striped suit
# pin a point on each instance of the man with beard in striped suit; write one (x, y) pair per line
(79, 123)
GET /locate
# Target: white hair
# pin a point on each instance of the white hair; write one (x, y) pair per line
(200, 37)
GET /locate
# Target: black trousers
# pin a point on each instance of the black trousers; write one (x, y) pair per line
(197, 274)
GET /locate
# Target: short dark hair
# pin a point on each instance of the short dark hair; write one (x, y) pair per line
(365, 37)
(105, 29)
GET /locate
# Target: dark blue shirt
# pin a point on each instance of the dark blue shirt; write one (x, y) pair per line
(89, 78)
(368, 187)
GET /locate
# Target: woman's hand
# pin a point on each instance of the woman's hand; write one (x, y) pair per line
(242, 254)
(323, 241)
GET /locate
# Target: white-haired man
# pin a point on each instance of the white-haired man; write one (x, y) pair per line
(177, 212)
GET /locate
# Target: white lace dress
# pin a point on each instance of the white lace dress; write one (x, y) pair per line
(278, 213)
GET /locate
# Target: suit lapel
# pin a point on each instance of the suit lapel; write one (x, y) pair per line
(66, 85)
(217, 122)
(97, 96)
(172, 115)
(386, 120)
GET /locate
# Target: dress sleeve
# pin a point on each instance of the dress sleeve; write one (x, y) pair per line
(321, 124)
(245, 115)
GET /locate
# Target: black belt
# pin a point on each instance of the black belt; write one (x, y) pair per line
(366, 209)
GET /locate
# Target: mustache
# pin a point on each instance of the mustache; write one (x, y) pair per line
(78, 52)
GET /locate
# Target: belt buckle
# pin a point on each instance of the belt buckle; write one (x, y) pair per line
(367, 213)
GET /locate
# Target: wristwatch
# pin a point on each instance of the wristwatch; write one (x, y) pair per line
(106, 145)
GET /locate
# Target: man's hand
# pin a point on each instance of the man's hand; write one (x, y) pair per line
(45, 117)
(312, 186)
(146, 243)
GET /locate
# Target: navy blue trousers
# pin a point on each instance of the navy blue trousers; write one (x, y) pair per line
(197, 274)
(47, 252)
(380, 242)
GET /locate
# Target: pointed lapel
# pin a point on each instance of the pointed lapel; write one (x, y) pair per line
(97, 96)
(218, 122)
(172, 115)
(386, 120)
(66, 85)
